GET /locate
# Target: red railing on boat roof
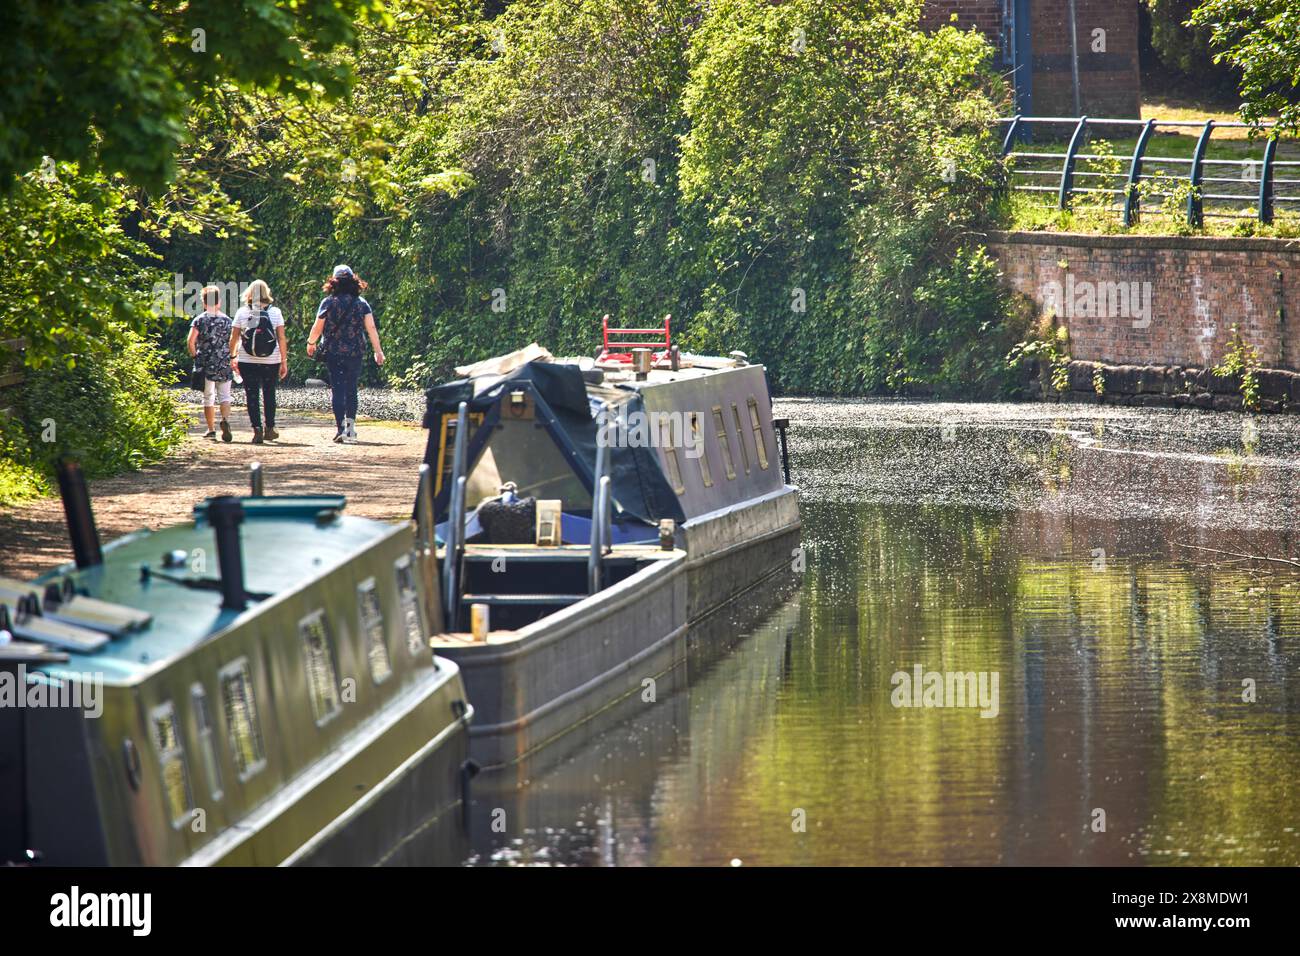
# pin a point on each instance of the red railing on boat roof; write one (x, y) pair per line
(663, 341)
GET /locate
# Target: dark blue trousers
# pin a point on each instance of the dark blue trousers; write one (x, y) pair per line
(345, 372)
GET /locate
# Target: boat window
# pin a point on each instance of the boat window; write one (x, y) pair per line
(740, 436)
(166, 732)
(372, 627)
(415, 642)
(318, 656)
(760, 443)
(241, 718)
(670, 454)
(697, 439)
(207, 739)
(720, 426)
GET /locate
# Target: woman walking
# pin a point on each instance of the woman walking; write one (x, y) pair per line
(345, 320)
(259, 349)
(209, 336)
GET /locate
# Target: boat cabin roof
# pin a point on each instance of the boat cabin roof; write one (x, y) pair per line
(286, 543)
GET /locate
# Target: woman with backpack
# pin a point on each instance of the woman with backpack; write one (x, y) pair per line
(259, 349)
(207, 343)
(345, 320)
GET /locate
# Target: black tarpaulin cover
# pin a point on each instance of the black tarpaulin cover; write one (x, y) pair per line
(638, 483)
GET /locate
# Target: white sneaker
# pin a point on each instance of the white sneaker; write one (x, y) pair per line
(349, 429)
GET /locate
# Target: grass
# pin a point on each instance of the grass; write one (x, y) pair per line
(1230, 186)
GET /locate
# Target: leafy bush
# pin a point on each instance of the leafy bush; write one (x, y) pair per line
(112, 411)
(19, 481)
(805, 182)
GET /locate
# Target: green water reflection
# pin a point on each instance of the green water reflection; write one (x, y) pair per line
(1122, 660)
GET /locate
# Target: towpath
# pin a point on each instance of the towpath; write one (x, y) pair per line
(378, 475)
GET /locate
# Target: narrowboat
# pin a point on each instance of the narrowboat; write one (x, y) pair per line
(589, 511)
(252, 687)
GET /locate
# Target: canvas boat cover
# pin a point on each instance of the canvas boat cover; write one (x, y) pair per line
(637, 480)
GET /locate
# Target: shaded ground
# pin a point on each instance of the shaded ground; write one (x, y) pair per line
(378, 474)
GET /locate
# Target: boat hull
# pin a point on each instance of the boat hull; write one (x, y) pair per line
(613, 650)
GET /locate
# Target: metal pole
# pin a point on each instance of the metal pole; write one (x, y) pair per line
(1074, 60)
(606, 506)
(1266, 181)
(456, 520)
(1010, 138)
(594, 545)
(1023, 50)
(781, 425)
(426, 543)
(255, 479)
(1067, 167)
(1195, 216)
(1132, 201)
(599, 484)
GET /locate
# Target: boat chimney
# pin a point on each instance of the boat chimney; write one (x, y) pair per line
(641, 359)
(225, 514)
(81, 520)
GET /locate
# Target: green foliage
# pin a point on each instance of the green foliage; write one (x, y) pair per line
(110, 83)
(1183, 47)
(19, 479)
(70, 271)
(641, 159)
(1262, 39)
(1051, 349)
(112, 411)
(1242, 360)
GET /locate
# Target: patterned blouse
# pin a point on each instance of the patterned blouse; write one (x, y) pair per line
(345, 325)
(212, 349)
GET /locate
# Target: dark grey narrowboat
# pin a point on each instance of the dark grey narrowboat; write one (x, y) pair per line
(253, 687)
(590, 511)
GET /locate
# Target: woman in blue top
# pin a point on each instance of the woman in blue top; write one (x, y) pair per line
(345, 320)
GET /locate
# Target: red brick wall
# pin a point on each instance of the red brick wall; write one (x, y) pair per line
(1109, 83)
(1199, 288)
(983, 15)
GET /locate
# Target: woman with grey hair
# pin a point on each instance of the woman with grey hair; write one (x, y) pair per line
(259, 350)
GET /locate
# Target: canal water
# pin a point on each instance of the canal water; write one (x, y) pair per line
(1083, 565)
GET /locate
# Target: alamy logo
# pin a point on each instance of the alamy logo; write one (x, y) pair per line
(75, 909)
(922, 688)
(638, 429)
(19, 690)
(1098, 300)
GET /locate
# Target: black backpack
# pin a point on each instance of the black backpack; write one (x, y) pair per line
(259, 340)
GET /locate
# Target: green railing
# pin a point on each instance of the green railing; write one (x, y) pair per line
(1121, 182)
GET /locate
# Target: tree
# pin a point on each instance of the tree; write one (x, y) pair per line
(1262, 39)
(1185, 49)
(109, 84)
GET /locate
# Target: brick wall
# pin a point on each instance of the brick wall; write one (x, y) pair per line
(983, 15)
(1109, 82)
(1197, 289)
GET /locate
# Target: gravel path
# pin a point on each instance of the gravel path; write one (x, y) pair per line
(386, 404)
(378, 475)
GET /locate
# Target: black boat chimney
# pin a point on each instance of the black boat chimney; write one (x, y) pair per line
(81, 520)
(225, 514)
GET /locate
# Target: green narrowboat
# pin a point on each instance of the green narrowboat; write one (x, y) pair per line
(252, 687)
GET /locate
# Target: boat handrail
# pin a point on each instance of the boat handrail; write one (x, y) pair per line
(426, 540)
(456, 519)
(599, 486)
